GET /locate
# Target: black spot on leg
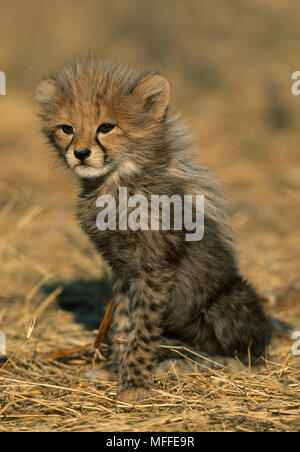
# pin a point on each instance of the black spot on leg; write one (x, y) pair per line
(134, 347)
(141, 337)
(146, 319)
(123, 313)
(150, 283)
(145, 347)
(153, 306)
(137, 372)
(130, 328)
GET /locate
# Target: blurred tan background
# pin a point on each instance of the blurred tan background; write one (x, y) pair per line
(230, 66)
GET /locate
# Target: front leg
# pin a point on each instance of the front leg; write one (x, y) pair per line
(119, 327)
(147, 303)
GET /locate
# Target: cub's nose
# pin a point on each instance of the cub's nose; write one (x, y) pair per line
(83, 154)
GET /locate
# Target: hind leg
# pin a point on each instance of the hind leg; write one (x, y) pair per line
(177, 357)
(181, 366)
(238, 322)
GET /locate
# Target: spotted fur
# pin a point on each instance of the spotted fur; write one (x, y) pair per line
(165, 288)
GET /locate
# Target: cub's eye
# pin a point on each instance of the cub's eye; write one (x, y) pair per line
(68, 130)
(105, 128)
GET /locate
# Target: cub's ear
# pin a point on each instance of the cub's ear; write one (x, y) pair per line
(46, 91)
(154, 91)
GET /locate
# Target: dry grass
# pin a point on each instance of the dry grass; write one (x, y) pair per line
(235, 84)
(43, 396)
(51, 274)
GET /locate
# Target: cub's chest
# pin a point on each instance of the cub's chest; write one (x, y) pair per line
(87, 214)
(107, 237)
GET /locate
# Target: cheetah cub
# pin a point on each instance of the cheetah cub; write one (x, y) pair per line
(112, 127)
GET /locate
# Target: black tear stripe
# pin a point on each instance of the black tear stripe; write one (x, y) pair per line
(70, 144)
(104, 150)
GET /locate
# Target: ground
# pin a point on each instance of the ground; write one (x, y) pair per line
(50, 272)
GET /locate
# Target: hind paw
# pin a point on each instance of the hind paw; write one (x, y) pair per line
(99, 373)
(133, 394)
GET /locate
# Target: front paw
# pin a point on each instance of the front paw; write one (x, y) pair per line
(133, 394)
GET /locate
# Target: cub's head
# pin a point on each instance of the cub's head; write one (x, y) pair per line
(101, 117)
